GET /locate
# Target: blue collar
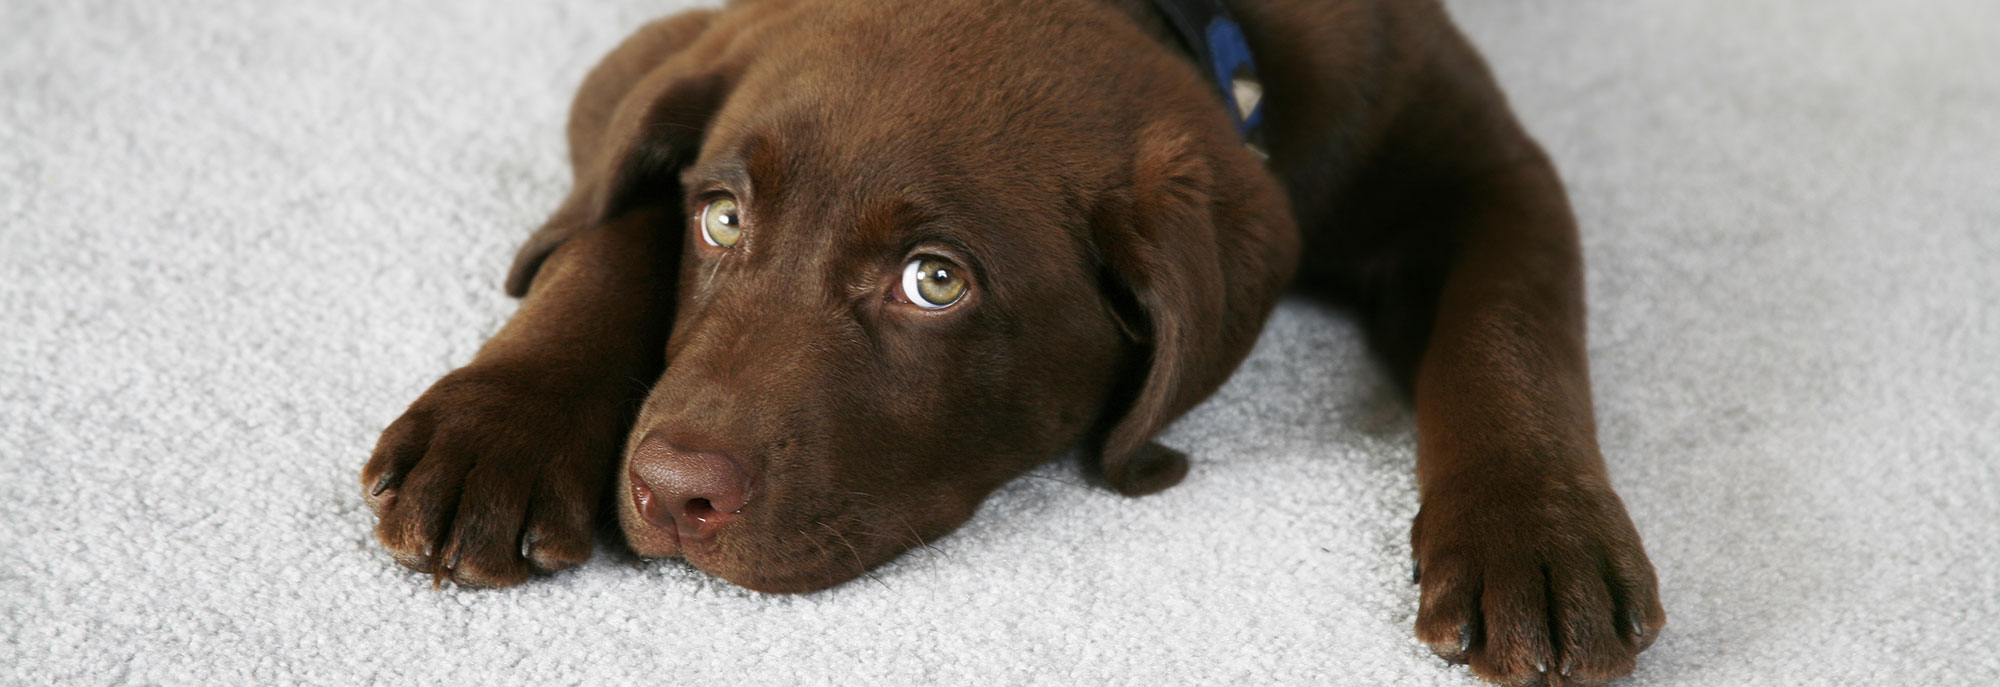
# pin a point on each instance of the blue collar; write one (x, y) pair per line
(1208, 31)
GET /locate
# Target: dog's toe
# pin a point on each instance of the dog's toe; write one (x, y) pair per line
(479, 484)
(1558, 593)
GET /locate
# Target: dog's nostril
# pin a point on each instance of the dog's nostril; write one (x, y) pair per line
(649, 506)
(701, 509)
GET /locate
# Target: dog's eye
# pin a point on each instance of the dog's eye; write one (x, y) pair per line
(932, 283)
(721, 223)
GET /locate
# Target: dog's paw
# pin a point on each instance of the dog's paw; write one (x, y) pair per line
(1535, 585)
(494, 474)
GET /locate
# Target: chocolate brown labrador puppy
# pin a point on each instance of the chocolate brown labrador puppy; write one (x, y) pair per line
(899, 252)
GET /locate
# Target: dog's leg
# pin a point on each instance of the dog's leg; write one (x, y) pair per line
(499, 469)
(1530, 568)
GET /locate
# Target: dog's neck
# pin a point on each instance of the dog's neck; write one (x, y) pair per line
(1207, 32)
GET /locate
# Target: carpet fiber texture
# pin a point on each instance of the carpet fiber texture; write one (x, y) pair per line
(237, 238)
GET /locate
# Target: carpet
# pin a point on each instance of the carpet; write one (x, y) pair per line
(237, 238)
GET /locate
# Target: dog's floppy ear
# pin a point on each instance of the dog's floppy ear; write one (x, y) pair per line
(1201, 246)
(634, 157)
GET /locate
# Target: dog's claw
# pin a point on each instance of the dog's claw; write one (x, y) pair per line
(1459, 652)
(527, 545)
(382, 484)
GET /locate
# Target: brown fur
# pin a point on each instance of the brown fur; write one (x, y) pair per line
(1123, 250)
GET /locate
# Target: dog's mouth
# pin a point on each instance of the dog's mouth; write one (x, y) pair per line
(761, 544)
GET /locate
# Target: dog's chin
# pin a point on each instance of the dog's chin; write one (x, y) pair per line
(780, 581)
(751, 559)
(717, 557)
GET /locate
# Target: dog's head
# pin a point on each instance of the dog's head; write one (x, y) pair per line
(927, 247)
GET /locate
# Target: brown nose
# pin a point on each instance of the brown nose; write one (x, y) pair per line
(694, 493)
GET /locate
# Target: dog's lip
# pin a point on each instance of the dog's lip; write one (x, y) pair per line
(711, 556)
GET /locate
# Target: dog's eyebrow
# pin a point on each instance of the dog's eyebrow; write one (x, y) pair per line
(888, 221)
(729, 170)
(747, 167)
(906, 218)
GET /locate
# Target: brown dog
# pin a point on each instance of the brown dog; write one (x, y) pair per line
(899, 252)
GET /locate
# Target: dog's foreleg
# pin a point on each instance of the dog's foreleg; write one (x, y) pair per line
(499, 469)
(1528, 563)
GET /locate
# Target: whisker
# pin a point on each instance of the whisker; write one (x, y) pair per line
(913, 541)
(931, 554)
(903, 544)
(920, 538)
(859, 567)
(877, 579)
(843, 540)
(822, 549)
(643, 387)
(711, 276)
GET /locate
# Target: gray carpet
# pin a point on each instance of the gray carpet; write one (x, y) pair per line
(240, 236)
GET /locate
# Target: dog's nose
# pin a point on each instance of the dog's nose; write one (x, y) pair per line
(694, 493)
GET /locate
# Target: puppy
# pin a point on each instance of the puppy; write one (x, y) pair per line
(878, 258)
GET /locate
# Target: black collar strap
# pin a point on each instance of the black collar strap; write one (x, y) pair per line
(1208, 31)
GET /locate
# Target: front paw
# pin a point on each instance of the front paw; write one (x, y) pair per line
(494, 474)
(1542, 583)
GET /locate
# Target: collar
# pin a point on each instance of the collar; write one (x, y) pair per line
(1212, 35)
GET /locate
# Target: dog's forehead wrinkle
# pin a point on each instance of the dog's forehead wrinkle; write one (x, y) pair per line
(816, 141)
(1022, 134)
(929, 47)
